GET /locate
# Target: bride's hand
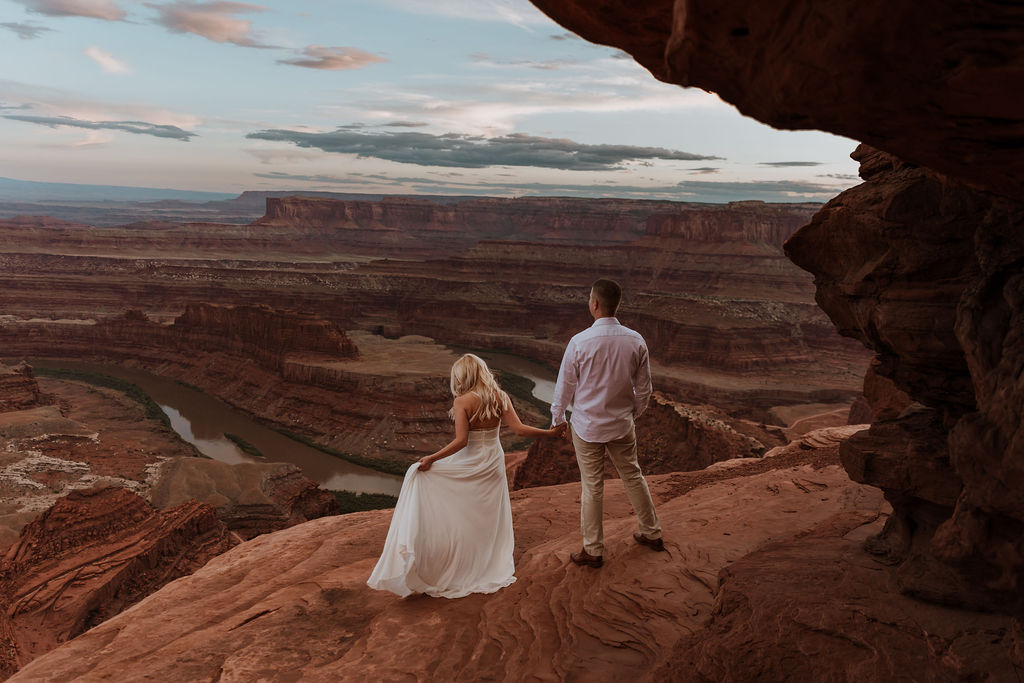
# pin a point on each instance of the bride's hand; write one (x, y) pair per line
(425, 463)
(559, 430)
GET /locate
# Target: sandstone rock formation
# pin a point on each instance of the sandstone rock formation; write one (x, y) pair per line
(250, 498)
(89, 557)
(18, 388)
(296, 600)
(929, 279)
(671, 437)
(817, 608)
(922, 262)
(90, 437)
(261, 332)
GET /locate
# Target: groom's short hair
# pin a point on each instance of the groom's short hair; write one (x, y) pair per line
(608, 294)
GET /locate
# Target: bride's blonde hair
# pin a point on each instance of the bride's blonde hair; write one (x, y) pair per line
(470, 373)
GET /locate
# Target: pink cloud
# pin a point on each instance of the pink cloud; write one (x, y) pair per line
(211, 20)
(96, 9)
(333, 58)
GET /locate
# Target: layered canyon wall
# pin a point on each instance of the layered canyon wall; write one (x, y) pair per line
(729, 319)
(260, 332)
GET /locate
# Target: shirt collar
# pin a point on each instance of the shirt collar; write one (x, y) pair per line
(605, 321)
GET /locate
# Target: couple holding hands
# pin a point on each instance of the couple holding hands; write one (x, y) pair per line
(451, 534)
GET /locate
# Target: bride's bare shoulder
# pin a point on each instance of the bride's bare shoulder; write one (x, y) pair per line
(469, 401)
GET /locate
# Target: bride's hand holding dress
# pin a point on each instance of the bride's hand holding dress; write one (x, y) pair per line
(451, 533)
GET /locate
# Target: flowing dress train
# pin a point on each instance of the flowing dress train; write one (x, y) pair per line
(451, 534)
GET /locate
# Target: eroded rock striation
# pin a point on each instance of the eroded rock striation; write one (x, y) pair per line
(93, 554)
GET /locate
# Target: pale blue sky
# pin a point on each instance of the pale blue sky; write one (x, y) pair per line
(381, 96)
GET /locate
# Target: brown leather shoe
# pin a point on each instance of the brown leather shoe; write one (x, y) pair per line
(585, 559)
(652, 543)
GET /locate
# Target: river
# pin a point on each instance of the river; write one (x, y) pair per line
(203, 420)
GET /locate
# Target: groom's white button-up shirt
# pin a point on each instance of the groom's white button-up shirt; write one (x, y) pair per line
(606, 375)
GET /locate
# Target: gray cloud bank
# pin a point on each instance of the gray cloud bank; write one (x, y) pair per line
(136, 127)
(465, 151)
(788, 164)
(25, 31)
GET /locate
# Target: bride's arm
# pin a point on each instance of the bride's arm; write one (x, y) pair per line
(459, 408)
(513, 422)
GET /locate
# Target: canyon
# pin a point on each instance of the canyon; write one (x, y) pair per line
(841, 553)
(337, 321)
(729, 320)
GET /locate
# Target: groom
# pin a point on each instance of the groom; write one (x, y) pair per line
(606, 374)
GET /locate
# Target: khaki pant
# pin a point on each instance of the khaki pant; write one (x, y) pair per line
(590, 457)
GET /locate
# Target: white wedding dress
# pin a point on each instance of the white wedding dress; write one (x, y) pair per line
(451, 534)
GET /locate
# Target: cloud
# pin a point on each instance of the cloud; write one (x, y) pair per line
(494, 106)
(840, 176)
(564, 36)
(404, 124)
(107, 61)
(56, 102)
(136, 127)
(788, 164)
(334, 58)
(547, 65)
(465, 151)
(211, 20)
(704, 169)
(25, 31)
(95, 9)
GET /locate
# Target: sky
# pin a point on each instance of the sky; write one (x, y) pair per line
(455, 97)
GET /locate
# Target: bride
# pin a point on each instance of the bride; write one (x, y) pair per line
(451, 534)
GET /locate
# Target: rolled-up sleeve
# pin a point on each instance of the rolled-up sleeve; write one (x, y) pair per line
(641, 382)
(565, 387)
